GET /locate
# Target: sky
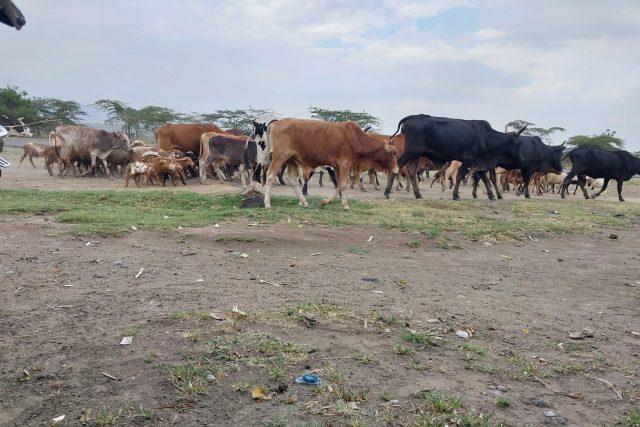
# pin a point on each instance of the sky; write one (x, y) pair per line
(568, 63)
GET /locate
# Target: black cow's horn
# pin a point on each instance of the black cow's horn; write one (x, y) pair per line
(519, 132)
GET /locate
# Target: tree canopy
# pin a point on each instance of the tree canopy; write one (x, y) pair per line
(606, 140)
(234, 119)
(41, 114)
(363, 119)
(543, 133)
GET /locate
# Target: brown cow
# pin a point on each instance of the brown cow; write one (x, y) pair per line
(183, 137)
(74, 140)
(31, 150)
(302, 142)
(50, 157)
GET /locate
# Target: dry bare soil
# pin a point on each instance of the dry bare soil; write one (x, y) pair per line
(374, 312)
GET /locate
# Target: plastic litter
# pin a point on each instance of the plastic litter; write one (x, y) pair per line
(311, 379)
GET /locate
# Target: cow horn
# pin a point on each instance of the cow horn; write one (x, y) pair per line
(519, 132)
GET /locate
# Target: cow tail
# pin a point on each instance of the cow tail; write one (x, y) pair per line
(400, 123)
(52, 141)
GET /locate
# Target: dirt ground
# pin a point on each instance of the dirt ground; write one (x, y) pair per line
(68, 301)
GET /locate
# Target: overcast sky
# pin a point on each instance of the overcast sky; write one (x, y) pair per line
(568, 63)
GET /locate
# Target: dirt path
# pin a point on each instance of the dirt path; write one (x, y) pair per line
(349, 297)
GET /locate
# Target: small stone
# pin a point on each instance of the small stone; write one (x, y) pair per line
(550, 413)
(576, 335)
(539, 403)
(613, 236)
(587, 332)
(462, 334)
(211, 377)
(502, 388)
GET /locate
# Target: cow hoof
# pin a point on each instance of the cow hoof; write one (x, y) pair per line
(324, 202)
(621, 199)
(492, 198)
(306, 206)
(418, 196)
(386, 194)
(587, 197)
(345, 208)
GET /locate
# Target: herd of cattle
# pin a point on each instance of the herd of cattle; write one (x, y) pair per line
(454, 147)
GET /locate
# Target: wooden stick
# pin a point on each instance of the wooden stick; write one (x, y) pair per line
(563, 393)
(109, 376)
(606, 382)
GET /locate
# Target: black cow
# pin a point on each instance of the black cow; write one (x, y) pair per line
(619, 165)
(473, 142)
(532, 155)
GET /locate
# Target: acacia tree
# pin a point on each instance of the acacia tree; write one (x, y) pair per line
(363, 119)
(234, 119)
(532, 130)
(135, 123)
(606, 140)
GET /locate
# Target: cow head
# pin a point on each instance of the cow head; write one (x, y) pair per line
(389, 160)
(260, 135)
(123, 141)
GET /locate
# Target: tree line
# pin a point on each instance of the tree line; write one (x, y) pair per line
(47, 113)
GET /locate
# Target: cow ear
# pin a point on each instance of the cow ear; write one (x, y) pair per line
(392, 141)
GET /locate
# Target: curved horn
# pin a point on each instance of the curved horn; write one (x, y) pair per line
(519, 132)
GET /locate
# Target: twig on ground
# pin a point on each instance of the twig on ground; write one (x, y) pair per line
(602, 380)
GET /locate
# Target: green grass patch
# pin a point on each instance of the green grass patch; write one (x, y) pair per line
(503, 402)
(128, 414)
(440, 409)
(113, 212)
(630, 419)
(422, 340)
(188, 315)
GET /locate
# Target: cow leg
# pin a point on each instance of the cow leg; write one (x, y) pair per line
(494, 180)
(373, 179)
(281, 174)
(203, 165)
(221, 176)
(358, 180)
(293, 173)
(341, 189)
(412, 168)
(320, 175)
(487, 184)
(604, 188)
(474, 184)
(271, 174)
(620, 182)
(462, 172)
(22, 158)
(564, 188)
(332, 175)
(243, 178)
(31, 160)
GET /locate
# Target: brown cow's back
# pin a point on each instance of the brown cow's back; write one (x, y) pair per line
(183, 137)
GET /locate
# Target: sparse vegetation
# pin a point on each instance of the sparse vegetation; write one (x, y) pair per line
(503, 402)
(630, 419)
(359, 250)
(227, 239)
(363, 357)
(128, 413)
(401, 350)
(422, 340)
(111, 213)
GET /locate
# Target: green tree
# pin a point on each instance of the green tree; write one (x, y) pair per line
(14, 104)
(152, 117)
(363, 119)
(532, 130)
(133, 122)
(234, 119)
(607, 140)
(65, 112)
